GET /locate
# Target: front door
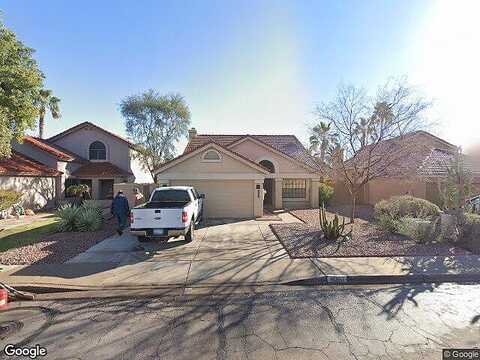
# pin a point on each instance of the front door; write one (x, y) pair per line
(268, 187)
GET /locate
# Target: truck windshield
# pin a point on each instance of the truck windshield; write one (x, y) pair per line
(170, 196)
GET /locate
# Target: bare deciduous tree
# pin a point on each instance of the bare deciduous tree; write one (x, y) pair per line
(372, 133)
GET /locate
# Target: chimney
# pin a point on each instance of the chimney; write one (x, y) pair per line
(192, 133)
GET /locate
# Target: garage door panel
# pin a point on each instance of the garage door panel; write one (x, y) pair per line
(224, 198)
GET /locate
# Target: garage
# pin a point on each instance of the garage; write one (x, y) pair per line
(232, 184)
(224, 198)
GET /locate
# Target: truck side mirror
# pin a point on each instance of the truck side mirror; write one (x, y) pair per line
(202, 196)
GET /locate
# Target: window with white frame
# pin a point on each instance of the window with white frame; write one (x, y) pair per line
(211, 156)
(294, 188)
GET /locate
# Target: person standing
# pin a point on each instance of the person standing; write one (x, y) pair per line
(139, 198)
(120, 210)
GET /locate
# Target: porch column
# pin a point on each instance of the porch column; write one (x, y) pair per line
(314, 199)
(95, 189)
(258, 198)
(278, 199)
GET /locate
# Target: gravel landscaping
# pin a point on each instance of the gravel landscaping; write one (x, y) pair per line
(303, 240)
(57, 248)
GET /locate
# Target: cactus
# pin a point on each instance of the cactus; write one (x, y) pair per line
(332, 229)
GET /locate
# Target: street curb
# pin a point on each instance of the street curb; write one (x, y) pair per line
(386, 279)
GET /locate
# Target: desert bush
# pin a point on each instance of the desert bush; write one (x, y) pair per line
(77, 190)
(471, 231)
(406, 206)
(8, 198)
(88, 219)
(387, 223)
(325, 194)
(420, 230)
(67, 214)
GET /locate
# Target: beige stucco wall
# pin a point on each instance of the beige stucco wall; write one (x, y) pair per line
(36, 154)
(38, 192)
(381, 189)
(225, 198)
(256, 153)
(196, 166)
(118, 152)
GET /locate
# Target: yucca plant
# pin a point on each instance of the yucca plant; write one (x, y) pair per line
(88, 219)
(67, 214)
(332, 229)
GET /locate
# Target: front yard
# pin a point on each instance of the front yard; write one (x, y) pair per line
(304, 240)
(40, 243)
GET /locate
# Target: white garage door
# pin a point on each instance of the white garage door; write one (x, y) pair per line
(224, 198)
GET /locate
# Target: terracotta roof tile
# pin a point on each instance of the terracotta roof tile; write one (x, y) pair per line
(60, 154)
(100, 169)
(21, 165)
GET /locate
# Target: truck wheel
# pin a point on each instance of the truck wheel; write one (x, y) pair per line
(190, 235)
(142, 238)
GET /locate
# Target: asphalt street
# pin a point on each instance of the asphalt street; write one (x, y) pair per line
(381, 322)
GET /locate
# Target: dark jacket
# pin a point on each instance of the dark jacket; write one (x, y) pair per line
(120, 205)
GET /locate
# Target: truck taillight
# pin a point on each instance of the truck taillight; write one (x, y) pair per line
(184, 216)
(131, 218)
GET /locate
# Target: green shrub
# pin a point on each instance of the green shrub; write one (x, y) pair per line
(325, 194)
(420, 230)
(67, 214)
(93, 205)
(8, 198)
(88, 219)
(387, 223)
(471, 231)
(401, 206)
(77, 190)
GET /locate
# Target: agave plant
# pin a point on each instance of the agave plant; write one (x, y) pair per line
(88, 219)
(93, 205)
(332, 229)
(67, 214)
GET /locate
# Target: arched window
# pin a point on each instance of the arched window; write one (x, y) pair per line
(268, 165)
(97, 151)
(211, 156)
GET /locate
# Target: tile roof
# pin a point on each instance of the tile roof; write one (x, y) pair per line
(89, 124)
(438, 160)
(59, 153)
(287, 144)
(21, 165)
(100, 169)
(414, 155)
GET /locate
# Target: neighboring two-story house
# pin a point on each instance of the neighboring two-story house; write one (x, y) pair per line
(87, 154)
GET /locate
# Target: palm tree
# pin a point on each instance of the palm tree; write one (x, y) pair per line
(364, 130)
(46, 102)
(320, 138)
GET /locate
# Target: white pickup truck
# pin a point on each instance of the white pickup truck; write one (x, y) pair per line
(171, 212)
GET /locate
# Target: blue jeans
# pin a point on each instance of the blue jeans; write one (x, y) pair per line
(122, 221)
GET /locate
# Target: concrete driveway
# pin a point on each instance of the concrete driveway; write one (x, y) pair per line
(234, 252)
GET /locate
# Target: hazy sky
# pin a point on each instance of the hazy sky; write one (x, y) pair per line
(251, 66)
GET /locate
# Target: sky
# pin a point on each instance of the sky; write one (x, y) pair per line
(256, 67)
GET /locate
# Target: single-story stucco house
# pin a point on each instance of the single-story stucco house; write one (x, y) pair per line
(234, 170)
(43, 169)
(418, 171)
